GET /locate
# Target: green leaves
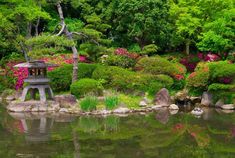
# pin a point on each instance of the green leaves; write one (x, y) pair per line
(47, 44)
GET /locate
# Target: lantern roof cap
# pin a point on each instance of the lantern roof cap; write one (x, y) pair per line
(35, 64)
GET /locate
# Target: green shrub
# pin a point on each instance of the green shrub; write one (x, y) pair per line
(2, 83)
(111, 102)
(221, 69)
(89, 103)
(157, 65)
(107, 73)
(61, 78)
(154, 87)
(125, 80)
(149, 49)
(159, 82)
(221, 87)
(85, 86)
(121, 61)
(85, 70)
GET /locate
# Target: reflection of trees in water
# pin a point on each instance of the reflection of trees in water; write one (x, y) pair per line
(182, 135)
(91, 124)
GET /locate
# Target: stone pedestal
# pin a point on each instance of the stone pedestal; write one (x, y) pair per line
(42, 89)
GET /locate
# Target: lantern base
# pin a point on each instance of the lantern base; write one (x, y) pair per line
(42, 89)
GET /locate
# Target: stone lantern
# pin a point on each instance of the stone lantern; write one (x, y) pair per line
(36, 80)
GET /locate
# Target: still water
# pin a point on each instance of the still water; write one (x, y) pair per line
(154, 135)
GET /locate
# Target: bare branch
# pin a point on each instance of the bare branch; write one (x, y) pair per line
(62, 29)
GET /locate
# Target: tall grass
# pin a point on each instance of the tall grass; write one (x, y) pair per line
(89, 103)
(111, 102)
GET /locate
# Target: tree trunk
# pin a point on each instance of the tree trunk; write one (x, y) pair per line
(187, 46)
(76, 145)
(70, 37)
(36, 27)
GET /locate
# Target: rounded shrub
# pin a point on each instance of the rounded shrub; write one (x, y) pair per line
(85, 70)
(61, 78)
(85, 86)
(221, 69)
(107, 73)
(157, 65)
(199, 78)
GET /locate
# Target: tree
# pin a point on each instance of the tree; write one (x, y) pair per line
(20, 18)
(218, 32)
(187, 20)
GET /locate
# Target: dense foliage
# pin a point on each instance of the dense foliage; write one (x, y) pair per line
(86, 86)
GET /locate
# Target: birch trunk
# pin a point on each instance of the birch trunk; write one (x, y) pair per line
(70, 37)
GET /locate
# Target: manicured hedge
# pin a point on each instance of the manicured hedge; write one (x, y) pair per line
(85, 86)
(61, 78)
(126, 80)
(157, 65)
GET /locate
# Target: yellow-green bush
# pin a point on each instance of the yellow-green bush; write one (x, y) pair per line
(85, 86)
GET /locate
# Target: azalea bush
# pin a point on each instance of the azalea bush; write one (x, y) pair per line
(216, 77)
(121, 57)
(192, 60)
(16, 76)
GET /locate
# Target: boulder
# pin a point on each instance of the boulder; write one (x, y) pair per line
(206, 99)
(121, 110)
(105, 112)
(173, 112)
(181, 95)
(228, 107)
(173, 107)
(10, 98)
(63, 110)
(143, 103)
(197, 111)
(66, 100)
(157, 107)
(195, 100)
(163, 98)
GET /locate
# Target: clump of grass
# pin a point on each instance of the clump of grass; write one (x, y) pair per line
(111, 102)
(89, 103)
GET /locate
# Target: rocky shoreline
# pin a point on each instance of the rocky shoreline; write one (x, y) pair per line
(68, 104)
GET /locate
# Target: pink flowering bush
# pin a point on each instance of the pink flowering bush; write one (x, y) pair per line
(16, 76)
(192, 60)
(124, 52)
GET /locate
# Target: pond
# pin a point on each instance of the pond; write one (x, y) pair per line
(159, 134)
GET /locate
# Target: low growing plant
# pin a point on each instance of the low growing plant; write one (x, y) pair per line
(111, 102)
(89, 103)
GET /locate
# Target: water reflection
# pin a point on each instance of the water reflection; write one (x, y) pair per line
(151, 135)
